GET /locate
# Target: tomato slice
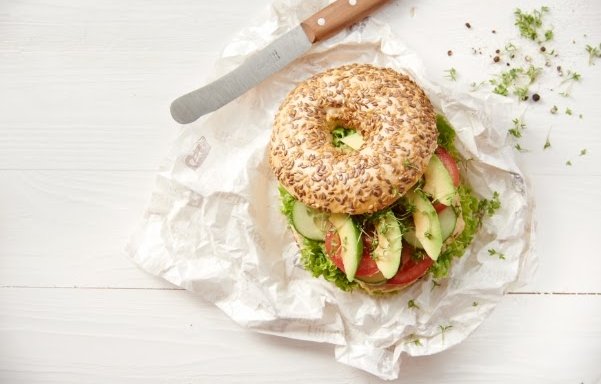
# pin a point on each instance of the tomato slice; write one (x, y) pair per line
(451, 166)
(333, 248)
(439, 207)
(367, 265)
(449, 163)
(411, 269)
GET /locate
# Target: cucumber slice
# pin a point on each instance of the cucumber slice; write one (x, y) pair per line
(309, 222)
(410, 238)
(427, 225)
(387, 253)
(448, 220)
(351, 242)
(377, 278)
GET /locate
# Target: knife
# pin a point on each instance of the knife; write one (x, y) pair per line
(271, 59)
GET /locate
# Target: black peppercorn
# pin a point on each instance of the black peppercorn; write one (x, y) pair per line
(536, 97)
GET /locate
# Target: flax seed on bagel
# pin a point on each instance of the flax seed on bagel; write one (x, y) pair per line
(394, 117)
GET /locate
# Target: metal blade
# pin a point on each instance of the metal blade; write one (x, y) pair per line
(255, 69)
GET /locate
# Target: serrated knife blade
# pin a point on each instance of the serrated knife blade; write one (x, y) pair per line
(271, 59)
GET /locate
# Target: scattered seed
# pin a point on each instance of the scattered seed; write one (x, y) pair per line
(493, 31)
(543, 49)
(496, 59)
(468, 25)
(536, 97)
(450, 53)
(498, 51)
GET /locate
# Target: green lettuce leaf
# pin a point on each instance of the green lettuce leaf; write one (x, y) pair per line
(473, 210)
(446, 136)
(314, 259)
(339, 133)
(313, 254)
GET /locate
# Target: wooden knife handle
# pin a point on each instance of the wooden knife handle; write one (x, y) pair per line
(336, 16)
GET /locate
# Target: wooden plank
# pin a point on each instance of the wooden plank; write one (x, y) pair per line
(566, 224)
(116, 27)
(98, 336)
(69, 228)
(92, 111)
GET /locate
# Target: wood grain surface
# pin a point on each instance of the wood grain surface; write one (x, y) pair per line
(84, 125)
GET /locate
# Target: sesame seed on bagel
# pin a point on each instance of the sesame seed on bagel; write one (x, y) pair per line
(389, 110)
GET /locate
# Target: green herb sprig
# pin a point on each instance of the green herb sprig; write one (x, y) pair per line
(518, 127)
(530, 24)
(494, 252)
(593, 53)
(451, 74)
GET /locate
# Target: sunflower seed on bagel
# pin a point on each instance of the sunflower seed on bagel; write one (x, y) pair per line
(393, 115)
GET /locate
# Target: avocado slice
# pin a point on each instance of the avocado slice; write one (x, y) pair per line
(354, 140)
(387, 253)
(351, 242)
(448, 222)
(427, 225)
(439, 183)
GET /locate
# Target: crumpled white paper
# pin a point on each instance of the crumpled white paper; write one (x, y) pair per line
(214, 227)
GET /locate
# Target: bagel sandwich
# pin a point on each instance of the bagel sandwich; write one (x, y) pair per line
(369, 181)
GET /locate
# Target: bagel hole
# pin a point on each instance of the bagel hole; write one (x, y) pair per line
(345, 137)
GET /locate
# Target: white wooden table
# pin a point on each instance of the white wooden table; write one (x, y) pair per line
(84, 122)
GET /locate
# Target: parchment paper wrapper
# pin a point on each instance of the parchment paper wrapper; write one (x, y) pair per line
(214, 227)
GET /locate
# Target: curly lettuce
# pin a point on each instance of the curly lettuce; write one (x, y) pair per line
(473, 209)
(313, 253)
(446, 136)
(314, 259)
(340, 133)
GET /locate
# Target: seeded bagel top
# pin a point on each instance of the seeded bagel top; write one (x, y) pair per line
(394, 117)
